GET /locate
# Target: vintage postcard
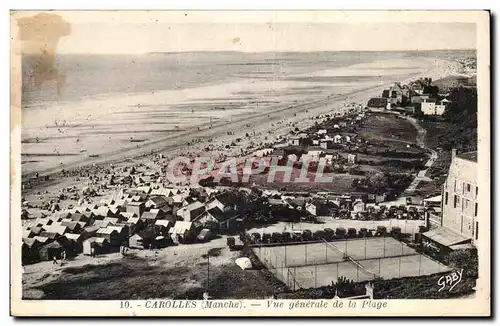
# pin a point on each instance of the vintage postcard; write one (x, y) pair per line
(250, 163)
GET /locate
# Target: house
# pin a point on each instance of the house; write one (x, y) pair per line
(134, 224)
(29, 250)
(103, 211)
(144, 189)
(100, 246)
(182, 231)
(124, 216)
(78, 217)
(150, 217)
(27, 234)
(101, 224)
(460, 205)
(223, 218)
(48, 251)
(111, 235)
(352, 158)
(297, 140)
(349, 137)
(54, 231)
(396, 93)
(156, 202)
(162, 226)
(72, 226)
(36, 230)
(123, 230)
(136, 207)
(91, 230)
(190, 212)
(358, 206)
(321, 132)
(42, 240)
(111, 220)
(225, 202)
(143, 239)
(75, 242)
(319, 207)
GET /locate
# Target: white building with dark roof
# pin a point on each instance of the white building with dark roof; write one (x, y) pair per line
(460, 193)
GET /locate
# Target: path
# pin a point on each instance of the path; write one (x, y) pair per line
(421, 175)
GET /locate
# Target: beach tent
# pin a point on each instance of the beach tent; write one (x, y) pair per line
(51, 250)
(136, 241)
(100, 246)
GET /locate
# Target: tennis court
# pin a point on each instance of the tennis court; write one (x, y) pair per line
(318, 264)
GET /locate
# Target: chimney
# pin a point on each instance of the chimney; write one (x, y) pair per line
(453, 153)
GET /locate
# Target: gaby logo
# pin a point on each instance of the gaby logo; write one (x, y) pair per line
(310, 170)
(450, 280)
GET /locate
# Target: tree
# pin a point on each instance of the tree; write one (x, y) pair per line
(466, 260)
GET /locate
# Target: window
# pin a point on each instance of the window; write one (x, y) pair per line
(477, 229)
(455, 186)
(468, 187)
(477, 191)
(475, 210)
(456, 201)
(446, 198)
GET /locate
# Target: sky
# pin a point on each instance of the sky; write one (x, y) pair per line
(131, 36)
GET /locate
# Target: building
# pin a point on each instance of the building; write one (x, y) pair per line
(358, 206)
(297, 140)
(100, 246)
(182, 232)
(224, 219)
(352, 158)
(459, 205)
(190, 212)
(321, 132)
(433, 107)
(396, 93)
(136, 208)
(326, 144)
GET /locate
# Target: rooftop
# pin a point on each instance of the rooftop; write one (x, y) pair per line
(469, 156)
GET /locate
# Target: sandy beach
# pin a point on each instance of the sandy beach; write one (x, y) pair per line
(100, 130)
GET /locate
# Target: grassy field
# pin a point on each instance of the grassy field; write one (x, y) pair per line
(178, 272)
(391, 130)
(315, 265)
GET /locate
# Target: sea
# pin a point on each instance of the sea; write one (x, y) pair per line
(97, 76)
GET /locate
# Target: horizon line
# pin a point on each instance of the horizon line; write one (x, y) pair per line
(253, 52)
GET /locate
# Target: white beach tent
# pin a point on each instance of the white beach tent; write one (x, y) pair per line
(243, 263)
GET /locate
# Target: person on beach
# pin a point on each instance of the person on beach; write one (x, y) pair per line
(54, 260)
(92, 252)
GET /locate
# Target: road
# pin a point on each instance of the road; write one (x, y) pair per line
(421, 175)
